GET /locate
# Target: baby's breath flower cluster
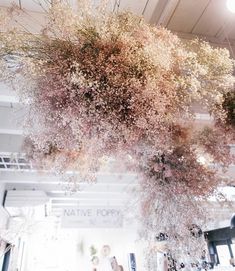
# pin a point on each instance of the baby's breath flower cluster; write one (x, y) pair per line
(99, 84)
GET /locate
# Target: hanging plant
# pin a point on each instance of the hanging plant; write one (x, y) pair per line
(101, 84)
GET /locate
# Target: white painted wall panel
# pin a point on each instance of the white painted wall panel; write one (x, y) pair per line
(11, 117)
(150, 10)
(135, 6)
(11, 143)
(187, 14)
(211, 21)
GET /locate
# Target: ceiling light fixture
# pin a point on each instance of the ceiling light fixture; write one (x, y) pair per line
(231, 5)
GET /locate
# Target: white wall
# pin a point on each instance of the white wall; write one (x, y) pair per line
(69, 250)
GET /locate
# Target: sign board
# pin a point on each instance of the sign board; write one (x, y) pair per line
(92, 217)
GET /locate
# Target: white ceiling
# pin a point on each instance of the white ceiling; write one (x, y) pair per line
(209, 19)
(202, 17)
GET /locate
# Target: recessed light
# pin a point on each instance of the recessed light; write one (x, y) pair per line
(231, 5)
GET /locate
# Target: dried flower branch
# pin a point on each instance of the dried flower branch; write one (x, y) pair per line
(100, 83)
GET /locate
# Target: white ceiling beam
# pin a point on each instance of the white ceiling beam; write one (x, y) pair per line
(47, 178)
(31, 177)
(92, 191)
(86, 196)
(59, 188)
(40, 197)
(8, 99)
(11, 132)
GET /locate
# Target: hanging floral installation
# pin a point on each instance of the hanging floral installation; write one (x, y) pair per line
(107, 84)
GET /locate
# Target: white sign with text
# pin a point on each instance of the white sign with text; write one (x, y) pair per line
(92, 217)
